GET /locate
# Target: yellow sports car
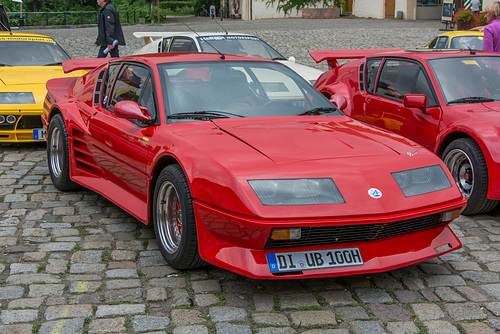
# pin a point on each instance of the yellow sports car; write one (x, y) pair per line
(461, 39)
(27, 61)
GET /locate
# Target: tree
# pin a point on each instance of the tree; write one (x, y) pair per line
(287, 5)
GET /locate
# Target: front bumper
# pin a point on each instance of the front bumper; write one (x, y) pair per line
(26, 128)
(245, 252)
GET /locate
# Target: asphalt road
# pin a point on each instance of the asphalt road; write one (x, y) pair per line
(75, 263)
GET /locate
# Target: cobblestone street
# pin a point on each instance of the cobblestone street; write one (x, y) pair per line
(73, 262)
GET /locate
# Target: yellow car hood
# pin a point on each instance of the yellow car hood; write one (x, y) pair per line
(30, 79)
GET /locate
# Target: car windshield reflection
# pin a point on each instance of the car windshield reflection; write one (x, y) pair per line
(240, 45)
(468, 79)
(30, 53)
(238, 89)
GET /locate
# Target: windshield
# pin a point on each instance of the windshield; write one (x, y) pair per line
(206, 90)
(467, 42)
(473, 79)
(240, 45)
(29, 53)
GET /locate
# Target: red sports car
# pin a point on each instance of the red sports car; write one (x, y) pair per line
(239, 162)
(446, 100)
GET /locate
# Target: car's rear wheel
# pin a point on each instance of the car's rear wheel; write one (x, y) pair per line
(466, 162)
(173, 219)
(58, 154)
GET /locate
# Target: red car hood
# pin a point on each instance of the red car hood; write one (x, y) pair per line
(312, 138)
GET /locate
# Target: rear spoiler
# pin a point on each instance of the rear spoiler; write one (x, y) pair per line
(71, 65)
(148, 36)
(331, 56)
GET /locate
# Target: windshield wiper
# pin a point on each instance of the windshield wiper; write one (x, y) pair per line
(5, 65)
(54, 64)
(279, 58)
(202, 115)
(473, 99)
(320, 111)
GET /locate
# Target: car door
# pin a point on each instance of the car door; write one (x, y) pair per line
(121, 144)
(386, 86)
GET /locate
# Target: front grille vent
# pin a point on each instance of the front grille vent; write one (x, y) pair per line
(339, 234)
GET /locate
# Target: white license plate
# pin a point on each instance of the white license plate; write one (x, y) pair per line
(318, 259)
(39, 134)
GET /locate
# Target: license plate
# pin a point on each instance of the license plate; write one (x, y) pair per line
(39, 134)
(319, 259)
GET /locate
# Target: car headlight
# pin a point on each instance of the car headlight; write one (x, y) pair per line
(17, 98)
(423, 180)
(297, 191)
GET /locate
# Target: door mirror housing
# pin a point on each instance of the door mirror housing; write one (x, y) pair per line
(415, 101)
(131, 110)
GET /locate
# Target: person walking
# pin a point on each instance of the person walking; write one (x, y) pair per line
(491, 41)
(109, 33)
(4, 19)
(475, 6)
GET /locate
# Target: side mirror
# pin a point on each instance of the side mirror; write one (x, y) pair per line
(131, 110)
(339, 101)
(415, 101)
(292, 59)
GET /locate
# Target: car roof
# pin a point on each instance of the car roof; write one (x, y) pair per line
(462, 33)
(154, 59)
(15, 35)
(158, 34)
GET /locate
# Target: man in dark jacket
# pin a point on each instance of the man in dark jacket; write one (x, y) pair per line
(4, 19)
(110, 33)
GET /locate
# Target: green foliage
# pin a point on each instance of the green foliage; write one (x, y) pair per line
(207, 3)
(84, 11)
(288, 5)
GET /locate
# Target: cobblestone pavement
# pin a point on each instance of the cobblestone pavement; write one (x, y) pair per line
(75, 263)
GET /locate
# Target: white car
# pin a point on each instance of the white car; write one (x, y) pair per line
(241, 44)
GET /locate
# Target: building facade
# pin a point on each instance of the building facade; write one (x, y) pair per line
(378, 9)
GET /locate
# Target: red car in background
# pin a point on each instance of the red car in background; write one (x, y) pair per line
(239, 162)
(446, 100)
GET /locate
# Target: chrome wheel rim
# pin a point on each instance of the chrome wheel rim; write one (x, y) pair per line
(462, 170)
(169, 217)
(56, 152)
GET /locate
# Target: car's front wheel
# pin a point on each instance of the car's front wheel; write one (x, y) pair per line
(466, 162)
(58, 154)
(173, 219)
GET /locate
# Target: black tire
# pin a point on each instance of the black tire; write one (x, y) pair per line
(58, 154)
(173, 220)
(466, 162)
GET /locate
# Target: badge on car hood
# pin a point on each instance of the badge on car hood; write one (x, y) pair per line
(374, 193)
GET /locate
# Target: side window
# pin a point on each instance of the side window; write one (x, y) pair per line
(128, 85)
(432, 45)
(372, 66)
(397, 78)
(183, 45)
(442, 43)
(422, 87)
(400, 77)
(165, 44)
(147, 98)
(107, 83)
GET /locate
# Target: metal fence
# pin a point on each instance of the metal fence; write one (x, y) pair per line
(18, 19)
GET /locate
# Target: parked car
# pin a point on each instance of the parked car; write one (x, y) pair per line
(239, 162)
(461, 39)
(241, 44)
(27, 61)
(448, 102)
